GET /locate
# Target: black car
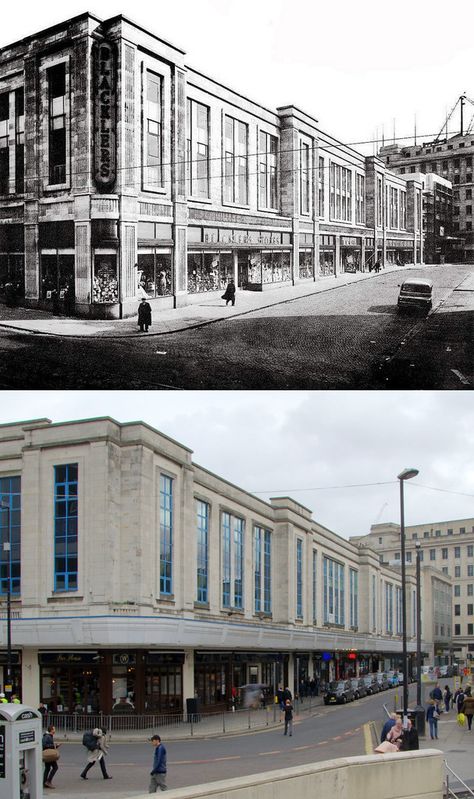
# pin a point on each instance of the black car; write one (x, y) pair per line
(339, 691)
(359, 687)
(383, 682)
(371, 684)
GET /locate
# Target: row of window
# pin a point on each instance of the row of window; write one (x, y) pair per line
(469, 610)
(469, 629)
(438, 533)
(457, 551)
(469, 589)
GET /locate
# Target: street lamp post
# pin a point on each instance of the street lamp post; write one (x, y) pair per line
(407, 474)
(419, 709)
(7, 548)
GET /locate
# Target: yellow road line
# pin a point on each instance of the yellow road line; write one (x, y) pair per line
(369, 748)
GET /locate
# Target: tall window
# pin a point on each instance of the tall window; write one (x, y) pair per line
(166, 534)
(19, 141)
(340, 192)
(393, 208)
(10, 533)
(379, 202)
(398, 609)
(267, 158)
(321, 186)
(262, 570)
(299, 578)
(57, 123)
(333, 596)
(232, 560)
(388, 608)
(65, 527)
(354, 597)
(360, 199)
(403, 210)
(153, 131)
(315, 586)
(236, 161)
(202, 566)
(4, 149)
(305, 173)
(374, 603)
(197, 159)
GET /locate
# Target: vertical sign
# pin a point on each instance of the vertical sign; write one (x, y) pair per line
(105, 104)
(2, 751)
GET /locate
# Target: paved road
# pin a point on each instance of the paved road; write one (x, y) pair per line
(349, 338)
(330, 732)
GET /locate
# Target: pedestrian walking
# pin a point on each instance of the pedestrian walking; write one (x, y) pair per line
(459, 698)
(229, 294)
(467, 707)
(50, 756)
(437, 695)
(432, 717)
(144, 315)
(288, 718)
(447, 697)
(158, 772)
(97, 749)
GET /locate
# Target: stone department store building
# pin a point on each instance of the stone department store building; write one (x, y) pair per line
(125, 172)
(136, 572)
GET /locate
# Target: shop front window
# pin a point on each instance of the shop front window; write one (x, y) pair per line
(105, 283)
(350, 260)
(327, 263)
(210, 682)
(306, 264)
(276, 267)
(154, 273)
(123, 689)
(70, 689)
(209, 271)
(57, 275)
(163, 689)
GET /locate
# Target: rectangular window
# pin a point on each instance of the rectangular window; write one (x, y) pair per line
(315, 586)
(19, 141)
(202, 565)
(262, 570)
(393, 208)
(340, 193)
(10, 533)
(360, 199)
(197, 154)
(457, 552)
(470, 550)
(470, 589)
(408, 557)
(354, 597)
(457, 571)
(457, 590)
(321, 181)
(232, 560)
(398, 609)
(299, 578)
(379, 202)
(457, 610)
(374, 603)
(388, 608)
(470, 570)
(153, 123)
(403, 210)
(457, 629)
(432, 554)
(235, 161)
(444, 553)
(333, 591)
(267, 158)
(65, 527)
(166, 534)
(469, 610)
(305, 173)
(470, 628)
(57, 123)
(4, 149)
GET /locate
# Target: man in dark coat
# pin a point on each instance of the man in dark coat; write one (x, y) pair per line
(229, 295)
(144, 315)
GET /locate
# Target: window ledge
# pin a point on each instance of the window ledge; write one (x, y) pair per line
(166, 598)
(57, 187)
(64, 596)
(202, 605)
(206, 200)
(236, 206)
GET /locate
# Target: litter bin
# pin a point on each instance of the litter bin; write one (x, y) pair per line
(192, 710)
(417, 715)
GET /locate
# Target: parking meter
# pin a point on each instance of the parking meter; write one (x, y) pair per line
(20, 752)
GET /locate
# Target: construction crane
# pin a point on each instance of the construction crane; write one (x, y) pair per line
(379, 514)
(462, 102)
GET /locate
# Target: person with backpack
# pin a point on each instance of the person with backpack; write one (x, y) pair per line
(96, 745)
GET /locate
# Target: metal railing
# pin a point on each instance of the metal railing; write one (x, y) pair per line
(448, 790)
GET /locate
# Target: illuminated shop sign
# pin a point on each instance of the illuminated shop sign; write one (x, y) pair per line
(105, 101)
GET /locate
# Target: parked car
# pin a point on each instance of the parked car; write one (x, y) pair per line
(416, 293)
(382, 681)
(393, 678)
(339, 691)
(371, 684)
(359, 687)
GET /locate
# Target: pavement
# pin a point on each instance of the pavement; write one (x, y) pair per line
(205, 312)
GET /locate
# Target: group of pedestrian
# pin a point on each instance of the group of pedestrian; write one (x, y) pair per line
(95, 742)
(144, 309)
(405, 740)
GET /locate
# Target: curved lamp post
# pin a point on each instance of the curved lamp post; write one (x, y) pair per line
(407, 474)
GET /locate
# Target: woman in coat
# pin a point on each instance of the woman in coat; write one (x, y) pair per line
(97, 755)
(229, 295)
(50, 767)
(467, 707)
(144, 315)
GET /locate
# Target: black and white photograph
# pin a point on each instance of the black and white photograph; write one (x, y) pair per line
(236, 195)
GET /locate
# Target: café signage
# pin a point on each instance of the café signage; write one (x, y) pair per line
(105, 102)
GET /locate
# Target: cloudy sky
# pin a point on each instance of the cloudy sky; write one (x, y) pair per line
(303, 443)
(354, 66)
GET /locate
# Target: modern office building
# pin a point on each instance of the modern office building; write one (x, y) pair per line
(452, 159)
(136, 572)
(124, 172)
(448, 547)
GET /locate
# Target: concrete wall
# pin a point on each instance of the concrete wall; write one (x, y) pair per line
(365, 777)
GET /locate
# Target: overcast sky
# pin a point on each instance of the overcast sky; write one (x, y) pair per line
(278, 442)
(354, 66)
